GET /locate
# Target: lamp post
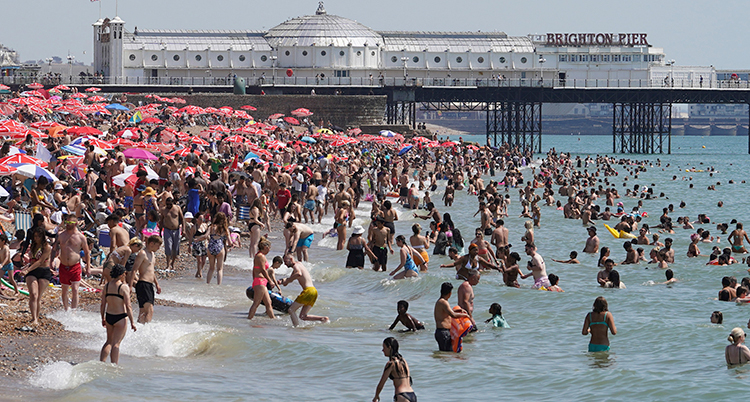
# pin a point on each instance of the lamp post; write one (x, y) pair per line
(542, 60)
(671, 71)
(405, 59)
(70, 68)
(273, 69)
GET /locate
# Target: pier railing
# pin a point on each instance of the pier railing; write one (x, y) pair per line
(375, 82)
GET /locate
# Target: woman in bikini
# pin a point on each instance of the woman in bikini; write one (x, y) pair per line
(484, 252)
(198, 233)
(114, 309)
(407, 262)
(398, 371)
(36, 271)
(120, 256)
(217, 244)
(465, 263)
(342, 215)
(255, 225)
(420, 244)
(261, 277)
(597, 323)
(737, 352)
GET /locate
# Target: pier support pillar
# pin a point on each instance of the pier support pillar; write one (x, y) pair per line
(401, 107)
(642, 128)
(516, 123)
(401, 112)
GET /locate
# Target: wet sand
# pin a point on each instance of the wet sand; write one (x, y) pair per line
(21, 352)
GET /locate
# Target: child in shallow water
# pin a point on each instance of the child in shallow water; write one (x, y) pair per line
(497, 316)
(411, 323)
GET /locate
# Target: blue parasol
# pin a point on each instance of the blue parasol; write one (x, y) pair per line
(405, 149)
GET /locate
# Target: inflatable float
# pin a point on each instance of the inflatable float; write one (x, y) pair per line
(278, 302)
(619, 234)
(460, 327)
(9, 286)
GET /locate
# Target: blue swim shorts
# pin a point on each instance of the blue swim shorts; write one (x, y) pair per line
(306, 242)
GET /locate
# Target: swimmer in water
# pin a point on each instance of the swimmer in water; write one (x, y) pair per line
(573, 259)
(411, 323)
(497, 319)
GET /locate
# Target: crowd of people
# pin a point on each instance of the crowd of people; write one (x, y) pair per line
(228, 183)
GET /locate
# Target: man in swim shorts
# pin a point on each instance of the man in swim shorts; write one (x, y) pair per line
(70, 243)
(299, 238)
(144, 288)
(443, 315)
(309, 294)
(736, 239)
(537, 267)
(310, 205)
(172, 220)
(380, 238)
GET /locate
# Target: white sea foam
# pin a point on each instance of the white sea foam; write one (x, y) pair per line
(157, 338)
(63, 375)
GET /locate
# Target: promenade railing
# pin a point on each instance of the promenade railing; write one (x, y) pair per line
(375, 82)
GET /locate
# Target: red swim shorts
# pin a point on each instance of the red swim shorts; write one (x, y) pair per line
(69, 274)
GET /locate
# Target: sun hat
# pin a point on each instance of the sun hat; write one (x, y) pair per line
(58, 186)
(358, 230)
(188, 215)
(56, 217)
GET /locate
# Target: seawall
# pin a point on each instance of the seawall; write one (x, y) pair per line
(341, 110)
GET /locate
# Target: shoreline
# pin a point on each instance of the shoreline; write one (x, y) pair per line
(22, 353)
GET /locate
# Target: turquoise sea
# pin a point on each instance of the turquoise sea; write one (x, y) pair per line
(666, 347)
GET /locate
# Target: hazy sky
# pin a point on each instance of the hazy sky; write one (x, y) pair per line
(691, 32)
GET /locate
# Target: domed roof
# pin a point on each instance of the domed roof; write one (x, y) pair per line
(321, 29)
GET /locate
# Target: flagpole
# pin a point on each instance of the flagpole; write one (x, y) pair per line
(117, 3)
(100, 9)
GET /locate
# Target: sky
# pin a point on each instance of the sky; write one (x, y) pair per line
(691, 32)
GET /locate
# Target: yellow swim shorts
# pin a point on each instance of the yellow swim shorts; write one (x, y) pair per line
(425, 256)
(307, 297)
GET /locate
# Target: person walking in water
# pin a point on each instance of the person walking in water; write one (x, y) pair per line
(597, 323)
(397, 370)
(443, 315)
(309, 294)
(147, 282)
(114, 309)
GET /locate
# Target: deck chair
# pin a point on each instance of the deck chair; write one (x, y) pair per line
(23, 220)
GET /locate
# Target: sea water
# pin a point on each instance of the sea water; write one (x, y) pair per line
(665, 346)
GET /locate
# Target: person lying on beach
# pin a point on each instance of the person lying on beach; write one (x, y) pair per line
(573, 259)
(411, 323)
